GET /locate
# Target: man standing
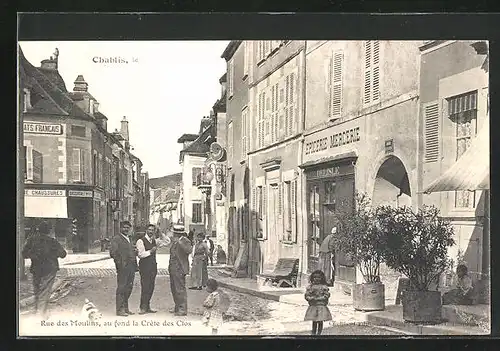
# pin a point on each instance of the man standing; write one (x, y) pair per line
(211, 248)
(327, 257)
(146, 250)
(178, 268)
(123, 253)
(44, 252)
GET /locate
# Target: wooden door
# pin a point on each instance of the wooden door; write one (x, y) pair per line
(272, 242)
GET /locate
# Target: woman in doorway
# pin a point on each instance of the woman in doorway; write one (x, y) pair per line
(327, 257)
(199, 268)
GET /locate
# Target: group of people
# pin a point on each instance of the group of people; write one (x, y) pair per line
(124, 255)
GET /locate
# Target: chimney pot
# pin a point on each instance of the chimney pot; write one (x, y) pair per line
(80, 84)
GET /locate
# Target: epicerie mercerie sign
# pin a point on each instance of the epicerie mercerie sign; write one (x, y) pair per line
(42, 128)
(44, 192)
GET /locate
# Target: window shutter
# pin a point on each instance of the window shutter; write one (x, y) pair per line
(376, 71)
(293, 204)
(367, 85)
(280, 211)
(273, 131)
(29, 163)
(337, 69)
(287, 103)
(431, 133)
(264, 211)
(291, 114)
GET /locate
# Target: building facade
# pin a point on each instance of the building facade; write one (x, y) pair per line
(164, 197)
(71, 160)
(454, 113)
(360, 135)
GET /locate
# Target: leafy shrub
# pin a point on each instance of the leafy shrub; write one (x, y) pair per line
(415, 243)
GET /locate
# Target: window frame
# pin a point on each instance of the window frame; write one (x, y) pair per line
(193, 204)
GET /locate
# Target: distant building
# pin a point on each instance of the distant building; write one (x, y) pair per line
(76, 172)
(164, 197)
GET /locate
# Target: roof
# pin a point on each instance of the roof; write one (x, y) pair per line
(47, 96)
(200, 146)
(231, 49)
(187, 137)
(168, 181)
(471, 171)
(223, 79)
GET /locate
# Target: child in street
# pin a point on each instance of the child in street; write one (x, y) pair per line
(317, 295)
(212, 317)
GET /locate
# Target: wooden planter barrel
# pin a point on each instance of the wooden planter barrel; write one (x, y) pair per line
(422, 306)
(369, 297)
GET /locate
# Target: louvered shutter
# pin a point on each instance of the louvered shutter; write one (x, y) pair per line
(280, 211)
(291, 108)
(376, 71)
(329, 85)
(367, 85)
(273, 131)
(337, 83)
(287, 103)
(431, 133)
(264, 211)
(293, 204)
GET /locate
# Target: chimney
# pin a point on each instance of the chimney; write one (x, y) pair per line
(80, 84)
(51, 63)
(124, 128)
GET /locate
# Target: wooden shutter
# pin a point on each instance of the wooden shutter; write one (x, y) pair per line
(376, 71)
(431, 130)
(337, 83)
(29, 163)
(264, 211)
(287, 103)
(75, 165)
(281, 210)
(244, 132)
(291, 108)
(293, 204)
(273, 131)
(37, 166)
(367, 84)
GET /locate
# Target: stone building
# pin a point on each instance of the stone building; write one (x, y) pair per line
(164, 197)
(453, 149)
(72, 163)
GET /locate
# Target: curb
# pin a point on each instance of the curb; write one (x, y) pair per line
(240, 289)
(87, 261)
(418, 329)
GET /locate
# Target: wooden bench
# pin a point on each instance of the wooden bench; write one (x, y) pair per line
(285, 271)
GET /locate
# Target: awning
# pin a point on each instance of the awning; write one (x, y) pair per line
(472, 169)
(46, 207)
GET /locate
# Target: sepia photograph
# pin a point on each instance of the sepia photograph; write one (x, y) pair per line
(253, 188)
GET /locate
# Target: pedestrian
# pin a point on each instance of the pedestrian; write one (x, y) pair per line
(463, 293)
(123, 253)
(212, 316)
(211, 248)
(326, 262)
(199, 269)
(191, 236)
(44, 251)
(317, 295)
(146, 250)
(178, 268)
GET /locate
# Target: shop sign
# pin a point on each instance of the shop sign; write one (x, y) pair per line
(42, 128)
(79, 193)
(330, 172)
(45, 192)
(332, 141)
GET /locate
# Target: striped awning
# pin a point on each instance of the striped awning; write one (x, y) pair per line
(471, 171)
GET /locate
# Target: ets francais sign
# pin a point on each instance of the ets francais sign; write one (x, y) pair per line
(42, 128)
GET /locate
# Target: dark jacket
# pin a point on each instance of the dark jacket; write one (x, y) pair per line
(44, 252)
(179, 253)
(123, 253)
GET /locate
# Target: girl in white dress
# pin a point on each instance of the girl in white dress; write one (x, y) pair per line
(212, 317)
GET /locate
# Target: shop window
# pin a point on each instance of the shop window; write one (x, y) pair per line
(462, 110)
(330, 188)
(197, 213)
(314, 218)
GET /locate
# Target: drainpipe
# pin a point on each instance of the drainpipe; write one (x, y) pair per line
(303, 207)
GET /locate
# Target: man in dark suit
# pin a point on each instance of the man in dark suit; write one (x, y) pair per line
(211, 248)
(44, 252)
(146, 250)
(178, 268)
(123, 253)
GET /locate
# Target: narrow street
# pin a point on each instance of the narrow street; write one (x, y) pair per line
(248, 315)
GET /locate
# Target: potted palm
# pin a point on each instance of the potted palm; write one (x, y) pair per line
(358, 238)
(416, 244)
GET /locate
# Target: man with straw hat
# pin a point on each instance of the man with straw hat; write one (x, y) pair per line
(178, 268)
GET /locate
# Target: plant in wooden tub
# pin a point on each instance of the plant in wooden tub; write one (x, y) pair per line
(358, 238)
(416, 244)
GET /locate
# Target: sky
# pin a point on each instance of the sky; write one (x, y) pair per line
(164, 90)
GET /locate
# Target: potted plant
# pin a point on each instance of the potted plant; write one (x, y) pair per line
(416, 244)
(358, 239)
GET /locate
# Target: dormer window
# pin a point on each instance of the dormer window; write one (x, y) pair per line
(26, 100)
(91, 107)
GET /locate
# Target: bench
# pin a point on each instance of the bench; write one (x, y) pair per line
(285, 272)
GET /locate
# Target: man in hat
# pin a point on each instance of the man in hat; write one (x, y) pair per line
(44, 251)
(178, 268)
(327, 257)
(123, 253)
